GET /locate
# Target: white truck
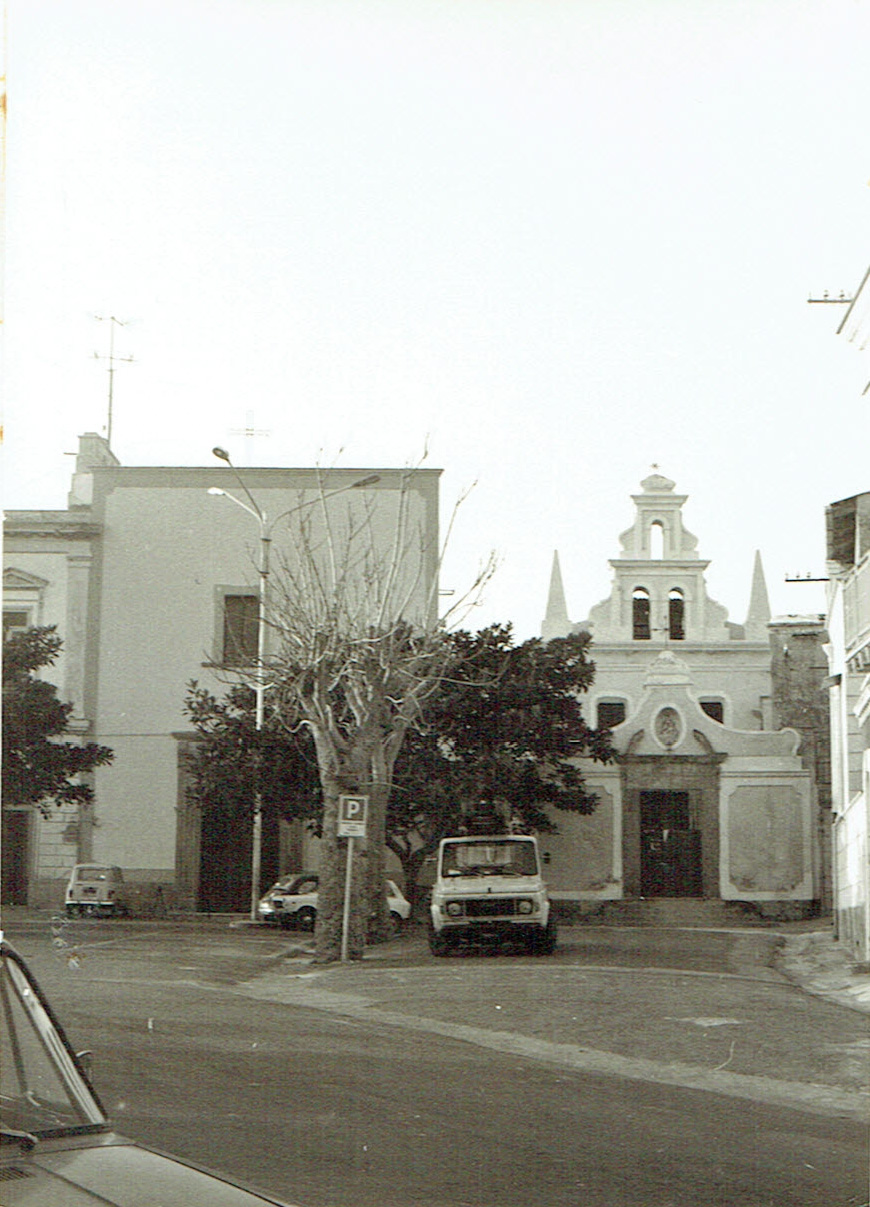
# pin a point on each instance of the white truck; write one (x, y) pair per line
(489, 888)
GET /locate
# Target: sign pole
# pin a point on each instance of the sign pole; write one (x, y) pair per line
(352, 812)
(345, 918)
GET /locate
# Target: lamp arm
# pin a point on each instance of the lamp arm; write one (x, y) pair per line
(369, 481)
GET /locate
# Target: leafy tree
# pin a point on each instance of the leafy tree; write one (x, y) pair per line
(233, 758)
(497, 736)
(499, 745)
(37, 766)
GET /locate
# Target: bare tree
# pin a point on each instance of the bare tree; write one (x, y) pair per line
(358, 646)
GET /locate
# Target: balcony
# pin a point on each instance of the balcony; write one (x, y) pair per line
(856, 613)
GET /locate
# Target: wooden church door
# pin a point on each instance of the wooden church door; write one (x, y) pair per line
(670, 849)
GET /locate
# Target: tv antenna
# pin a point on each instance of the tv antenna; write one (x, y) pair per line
(827, 300)
(111, 358)
(250, 432)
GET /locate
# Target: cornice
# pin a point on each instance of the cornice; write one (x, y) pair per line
(63, 525)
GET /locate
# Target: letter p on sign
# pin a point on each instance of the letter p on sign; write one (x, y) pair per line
(352, 812)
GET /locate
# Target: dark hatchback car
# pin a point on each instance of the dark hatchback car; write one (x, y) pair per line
(58, 1149)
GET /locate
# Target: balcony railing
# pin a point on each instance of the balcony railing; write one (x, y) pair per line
(856, 608)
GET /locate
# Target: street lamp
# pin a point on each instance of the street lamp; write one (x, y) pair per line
(253, 508)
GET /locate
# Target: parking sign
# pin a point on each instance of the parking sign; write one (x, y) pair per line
(352, 811)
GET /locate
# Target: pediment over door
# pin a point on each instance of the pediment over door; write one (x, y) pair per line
(20, 580)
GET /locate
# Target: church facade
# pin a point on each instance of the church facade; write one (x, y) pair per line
(708, 796)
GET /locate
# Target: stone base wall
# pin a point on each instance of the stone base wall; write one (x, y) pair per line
(708, 913)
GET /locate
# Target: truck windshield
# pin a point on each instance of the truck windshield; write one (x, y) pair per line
(41, 1090)
(476, 857)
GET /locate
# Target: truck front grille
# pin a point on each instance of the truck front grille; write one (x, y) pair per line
(490, 907)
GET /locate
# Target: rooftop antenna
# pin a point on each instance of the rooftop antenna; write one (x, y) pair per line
(251, 433)
(111, 358)
(827, 300)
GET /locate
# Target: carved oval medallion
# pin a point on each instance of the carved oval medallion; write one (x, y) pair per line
(668, 727)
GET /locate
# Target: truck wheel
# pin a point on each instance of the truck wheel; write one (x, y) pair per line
(544, 943)
(305, 918)
(439, 944)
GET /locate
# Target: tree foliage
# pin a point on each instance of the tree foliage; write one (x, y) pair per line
(502, 734)
(233, 760)
(503, 728)
(38, 767)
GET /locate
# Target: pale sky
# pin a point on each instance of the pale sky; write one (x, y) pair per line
(554, 240)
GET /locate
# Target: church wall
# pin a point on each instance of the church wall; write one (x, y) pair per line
(767, 835)
(739, 677)
(584, 859)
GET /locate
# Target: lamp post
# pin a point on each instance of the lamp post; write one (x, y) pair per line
(253, 508)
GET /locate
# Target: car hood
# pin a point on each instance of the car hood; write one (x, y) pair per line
(116, 1173)
(482, 886)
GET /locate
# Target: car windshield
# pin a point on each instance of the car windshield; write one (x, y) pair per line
(508, 857)
(41, 1091)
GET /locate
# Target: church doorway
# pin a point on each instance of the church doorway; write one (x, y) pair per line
(670, 849)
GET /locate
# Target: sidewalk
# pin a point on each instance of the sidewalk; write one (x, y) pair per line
(822, 966)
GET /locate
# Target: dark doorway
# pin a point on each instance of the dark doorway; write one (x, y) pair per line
(16, 850)
(225, 860)
(670, 849)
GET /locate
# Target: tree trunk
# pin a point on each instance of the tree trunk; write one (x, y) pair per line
(376, 837)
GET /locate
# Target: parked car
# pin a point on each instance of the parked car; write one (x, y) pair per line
(489, 888)
(58, 1147)
(292, 902)
(94, 888)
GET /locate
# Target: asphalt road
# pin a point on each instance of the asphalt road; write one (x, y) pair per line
(637, 1069)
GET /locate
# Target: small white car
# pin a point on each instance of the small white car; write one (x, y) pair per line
(490, 889)
(292, 902)
(98, 889)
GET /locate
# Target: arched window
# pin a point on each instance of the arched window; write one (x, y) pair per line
(676, 615)
(657, 540)
(640, 629)
(610, 713)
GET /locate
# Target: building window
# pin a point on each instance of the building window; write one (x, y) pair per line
(714, 709)
(657, 540)
(640, 613)
(15, 621)
(241, 627)
(676, 615)
(610, 713)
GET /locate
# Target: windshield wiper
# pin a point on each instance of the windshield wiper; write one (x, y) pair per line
(26, 1140)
